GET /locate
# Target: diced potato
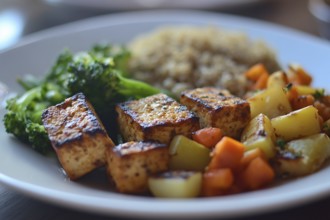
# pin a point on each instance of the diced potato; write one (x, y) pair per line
(300, 123)
(272, 102)
(176, 184)
(186, 154)
(259, 133)
(303, 156)
(278, 78)
(306, 90)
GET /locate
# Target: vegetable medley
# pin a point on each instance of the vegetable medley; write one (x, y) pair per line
(287, 136)
(281, 131)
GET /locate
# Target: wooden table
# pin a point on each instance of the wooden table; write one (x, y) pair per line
(291, 13)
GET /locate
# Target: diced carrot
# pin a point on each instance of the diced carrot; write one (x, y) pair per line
(234, 189)
(259, 75)
(255, 71)
(299, 76)
(208, 137)
(227, 153)
(250, 155)
(261, 82)
(302, 101)
(257, 174)
(292, 93)
(323, 110)
(216, 182)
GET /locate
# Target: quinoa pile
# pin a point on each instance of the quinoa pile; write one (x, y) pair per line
(177, 58)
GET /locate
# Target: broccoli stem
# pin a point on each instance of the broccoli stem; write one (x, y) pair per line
(134, 88)
(22, 103)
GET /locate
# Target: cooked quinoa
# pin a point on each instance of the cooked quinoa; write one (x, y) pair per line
(184, 57)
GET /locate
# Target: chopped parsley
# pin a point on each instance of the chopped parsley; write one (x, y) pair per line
(319, 93)
(280, 143)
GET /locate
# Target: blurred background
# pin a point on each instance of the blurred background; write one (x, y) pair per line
(22, 17)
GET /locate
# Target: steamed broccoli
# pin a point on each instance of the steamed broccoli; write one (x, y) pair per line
(99, 73)
(23, 117)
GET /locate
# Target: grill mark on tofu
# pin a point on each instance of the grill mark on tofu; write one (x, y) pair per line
(70, 120)
(156, 110)
(218, 108)
(77, 136)
(213, 99)
(156, 117)
(135, 147)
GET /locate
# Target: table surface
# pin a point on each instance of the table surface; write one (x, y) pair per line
(291, 13)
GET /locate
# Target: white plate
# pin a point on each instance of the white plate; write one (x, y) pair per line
(143, 4)
(40, 177)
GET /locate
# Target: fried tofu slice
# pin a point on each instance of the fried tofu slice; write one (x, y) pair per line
(77, 135)
(158, 118)
(218, 108)
(131, 163)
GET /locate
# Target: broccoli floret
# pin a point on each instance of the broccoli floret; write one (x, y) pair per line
(103, 84)
(23, 116)
(38, 137)
(58, 74)
(120, 56)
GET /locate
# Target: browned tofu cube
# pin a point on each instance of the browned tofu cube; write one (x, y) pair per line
(131, 163)
(157, 118)
(218, 108)
(77, 135)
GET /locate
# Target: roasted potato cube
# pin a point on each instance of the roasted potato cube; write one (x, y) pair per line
(130, 164)
(259, 133)
(303, 156)
(218, 108)
(176, 184)
(186, 154)
(278, 78)
(272, 102)
(300, 123)
(158, 118)
(77, 135)
(307, 90)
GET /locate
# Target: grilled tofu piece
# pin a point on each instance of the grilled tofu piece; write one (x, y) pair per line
(218, 108)
(158, 118)
(77, 135)
(131, 163)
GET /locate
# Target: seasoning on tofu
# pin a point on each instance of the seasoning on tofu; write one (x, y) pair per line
(218, 108)
(157, 118)
(77, 135)
(130, 164)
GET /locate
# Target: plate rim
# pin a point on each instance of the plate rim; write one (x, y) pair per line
(138, 4)
(67, 29)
